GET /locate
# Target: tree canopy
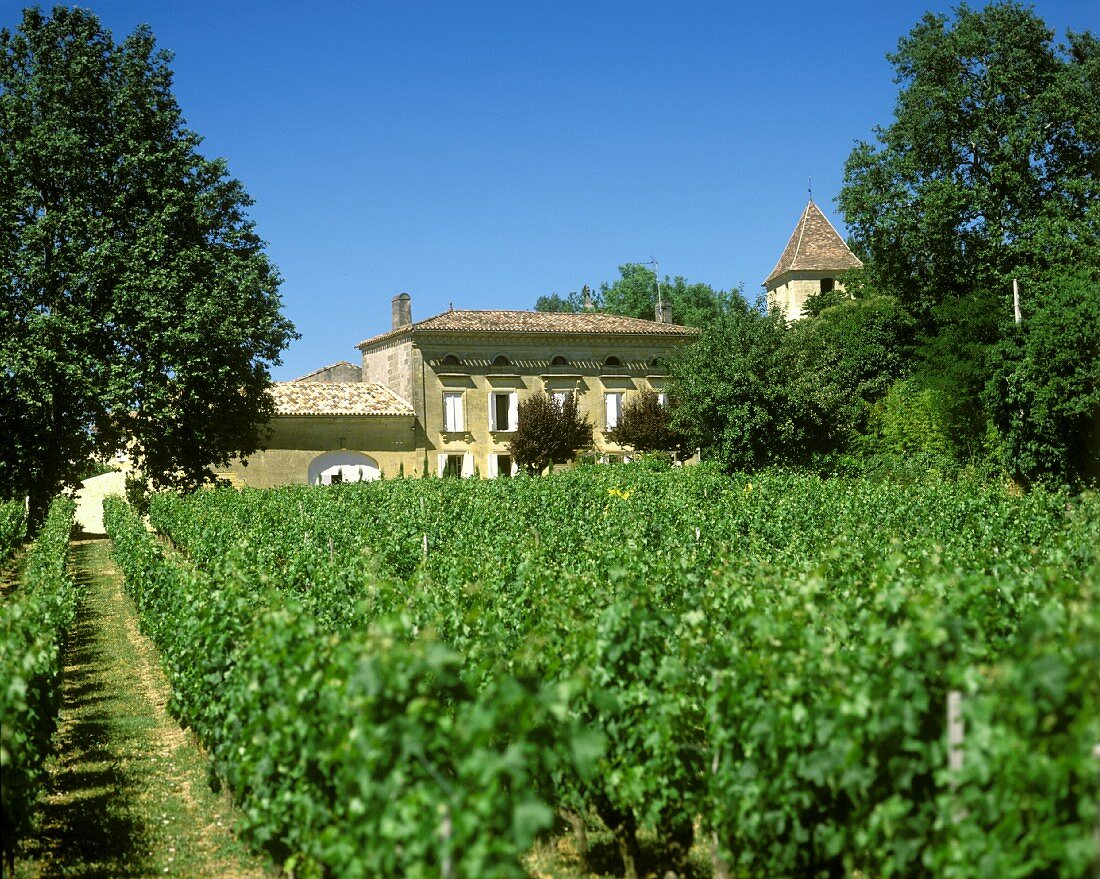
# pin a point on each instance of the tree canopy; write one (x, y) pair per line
(634, 294)
(138, 308)
(991, 166)
(549, 432)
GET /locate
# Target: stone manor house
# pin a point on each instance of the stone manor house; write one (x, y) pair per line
(441, 395)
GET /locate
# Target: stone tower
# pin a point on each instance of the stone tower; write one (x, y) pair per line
(812, 259)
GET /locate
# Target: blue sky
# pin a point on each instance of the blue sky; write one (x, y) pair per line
(486, 153)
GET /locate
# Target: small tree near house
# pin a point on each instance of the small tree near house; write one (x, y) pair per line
(549, 432)
(645, 426)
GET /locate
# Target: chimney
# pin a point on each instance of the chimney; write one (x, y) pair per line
(589, 305)
(663, 312)
(402, 310)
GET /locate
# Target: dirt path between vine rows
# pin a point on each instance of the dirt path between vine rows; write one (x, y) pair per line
(127, 793)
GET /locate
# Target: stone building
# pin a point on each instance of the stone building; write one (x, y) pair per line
(809, 265)
(442, 395)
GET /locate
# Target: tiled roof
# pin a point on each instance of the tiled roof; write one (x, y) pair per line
(341, 365)
(337, 398)
(815, 246)
(537, 322)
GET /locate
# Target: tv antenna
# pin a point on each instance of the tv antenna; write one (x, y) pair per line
(652, 261)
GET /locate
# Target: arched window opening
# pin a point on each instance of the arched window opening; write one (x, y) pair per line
(501, 360)
(559, 361)
(658, 363)
(451, 360)
(612, 360)
(827, 285)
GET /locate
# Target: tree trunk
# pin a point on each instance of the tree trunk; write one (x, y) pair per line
(580, 834)
(624, 826)
(677, 835)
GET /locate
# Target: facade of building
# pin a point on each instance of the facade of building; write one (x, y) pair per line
(442, 395)
(809, 265)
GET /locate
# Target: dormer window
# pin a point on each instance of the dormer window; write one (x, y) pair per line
(501, 360)
(827, 285)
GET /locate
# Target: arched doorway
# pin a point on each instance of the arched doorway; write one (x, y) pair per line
(336, 467)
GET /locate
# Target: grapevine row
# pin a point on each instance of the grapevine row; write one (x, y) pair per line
(33, 622)
(766, 659)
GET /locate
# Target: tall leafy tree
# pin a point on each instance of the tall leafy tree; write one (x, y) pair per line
(989, 171)
(137, 306)
(990, 166)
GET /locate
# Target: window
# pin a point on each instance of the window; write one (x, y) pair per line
(612, 360)
(450, 360)
(454, 420)
(500, 466)
(827, 285)
(559, 361)
(501, 360)
(662, 399)
(559, 398)
(613, 408)
(456, 464)
(503, 410)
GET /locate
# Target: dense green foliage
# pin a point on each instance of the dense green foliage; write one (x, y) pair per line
(1044, 391)
(549, 432)
(988, 173)
(136, 303)
(33, 621)
(634, 294)
(767, 659)
(355, 750)
(645, 425)
(13, 527)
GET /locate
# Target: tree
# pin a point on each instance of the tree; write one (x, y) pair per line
(991, 165)
(731, 392)
(634, 294)
(549, 432)
(990, 171)
(1044, 391)
(137, 306)
(645, 425)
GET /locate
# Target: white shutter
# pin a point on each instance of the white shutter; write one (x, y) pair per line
(442, 464)
(467, 465)
(453, 422)
(492, 466)
(513, 411)
(492, 410)
(662, 399)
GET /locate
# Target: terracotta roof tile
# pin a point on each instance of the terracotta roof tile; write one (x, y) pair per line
(814, 246)
(337, 398)
(591, 322)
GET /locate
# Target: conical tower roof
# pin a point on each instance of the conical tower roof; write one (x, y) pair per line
(815, 246)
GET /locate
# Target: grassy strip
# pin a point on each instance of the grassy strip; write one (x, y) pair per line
(31, 631)
(127, 792)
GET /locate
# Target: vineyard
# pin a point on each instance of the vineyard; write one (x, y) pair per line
(421, 677)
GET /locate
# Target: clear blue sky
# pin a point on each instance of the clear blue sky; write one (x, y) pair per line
(486, 153)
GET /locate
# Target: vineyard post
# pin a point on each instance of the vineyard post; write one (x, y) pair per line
(955, 734)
